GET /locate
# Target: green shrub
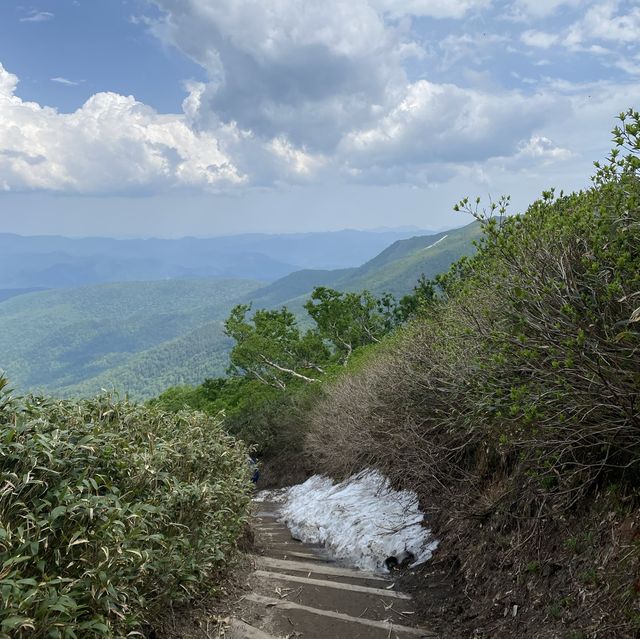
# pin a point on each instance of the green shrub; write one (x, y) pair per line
(109, 511)
(529, 359)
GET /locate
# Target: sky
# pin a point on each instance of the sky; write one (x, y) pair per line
(205, 117)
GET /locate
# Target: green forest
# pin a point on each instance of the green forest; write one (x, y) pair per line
(138, 338)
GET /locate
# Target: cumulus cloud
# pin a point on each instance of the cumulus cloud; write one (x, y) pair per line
(541, 148)
(329, 81)
(304, 70)
(297, 90)
(111, 144)
(445, 123)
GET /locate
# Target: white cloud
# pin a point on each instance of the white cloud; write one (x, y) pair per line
(539, 39)
(304, 70)
(111, 144)
(37, 16)
(527, 9)
(66, 81)
(437, 123)
(430, 8)
(609, 29)
(608, 21)
(297, 91)
(541, 148)
(469, 46)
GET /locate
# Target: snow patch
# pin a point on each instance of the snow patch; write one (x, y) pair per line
(362, 519)
(276, 496)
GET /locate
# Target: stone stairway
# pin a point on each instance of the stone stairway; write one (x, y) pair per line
(298, 591)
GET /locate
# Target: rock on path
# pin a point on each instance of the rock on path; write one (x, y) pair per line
(297, 591)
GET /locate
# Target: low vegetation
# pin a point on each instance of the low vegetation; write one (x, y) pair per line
(278, 368)
(110, 512)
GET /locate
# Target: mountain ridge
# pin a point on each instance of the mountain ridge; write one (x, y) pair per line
(56, 261)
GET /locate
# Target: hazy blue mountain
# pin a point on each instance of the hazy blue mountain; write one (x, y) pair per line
(141, 337)
(57, 262)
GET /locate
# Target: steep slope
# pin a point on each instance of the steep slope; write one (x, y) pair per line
(397, 269)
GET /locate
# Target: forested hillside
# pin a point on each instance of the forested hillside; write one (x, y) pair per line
(395, 270)
(136, 337)
(142, 337)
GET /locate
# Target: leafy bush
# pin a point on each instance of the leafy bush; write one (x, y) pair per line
(530, 357)
(109, 511)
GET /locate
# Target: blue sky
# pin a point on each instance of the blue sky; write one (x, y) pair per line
(200, 117)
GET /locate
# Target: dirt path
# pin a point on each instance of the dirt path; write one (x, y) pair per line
(297, 591)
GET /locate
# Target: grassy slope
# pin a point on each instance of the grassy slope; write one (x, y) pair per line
(137, 336)
(397, 269)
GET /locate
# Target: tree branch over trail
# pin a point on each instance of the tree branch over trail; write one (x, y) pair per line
(271, 348)
(290, 371)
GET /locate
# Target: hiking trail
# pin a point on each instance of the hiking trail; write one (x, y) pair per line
(298, 591)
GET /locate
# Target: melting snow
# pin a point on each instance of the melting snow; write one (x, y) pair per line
(276, 496)
(361, 519)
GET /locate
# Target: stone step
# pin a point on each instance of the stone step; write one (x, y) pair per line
(337, 585)
(337, 625)
(316, 567)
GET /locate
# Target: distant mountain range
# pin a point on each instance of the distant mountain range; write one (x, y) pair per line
(28, 262)
(140, 337)
(395, 270)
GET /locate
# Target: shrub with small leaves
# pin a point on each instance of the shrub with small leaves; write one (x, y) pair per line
(109, 511)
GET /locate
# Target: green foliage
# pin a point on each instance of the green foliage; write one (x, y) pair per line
(271, 348)
(109, 511)
(273, 363)
(351, 320)
(560, 341)
(241, 400)
(138, 337)
(514, 401)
